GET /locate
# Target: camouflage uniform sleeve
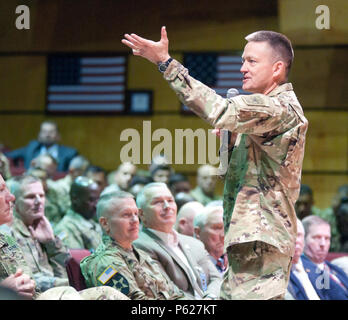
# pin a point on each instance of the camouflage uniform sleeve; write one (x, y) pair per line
(58, 256)
(11, 257)
(107, 270)
(70, 235)
(251, 114)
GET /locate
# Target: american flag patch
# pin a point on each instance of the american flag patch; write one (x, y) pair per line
(108, 273)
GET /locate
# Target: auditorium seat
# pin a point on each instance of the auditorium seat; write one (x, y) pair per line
(75, 276)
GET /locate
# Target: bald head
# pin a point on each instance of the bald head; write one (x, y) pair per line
(84, 194)
(186, 214)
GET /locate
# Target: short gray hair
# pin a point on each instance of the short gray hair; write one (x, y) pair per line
(142, 199)
(19, 183)
(200, 220)
(308, 221)
(278, 42)
(106, 201)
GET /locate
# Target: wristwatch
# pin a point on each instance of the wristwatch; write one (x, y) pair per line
(162, 66)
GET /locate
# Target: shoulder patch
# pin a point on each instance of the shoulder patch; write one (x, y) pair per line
(255, 100)
(119, 282)
(107, 274)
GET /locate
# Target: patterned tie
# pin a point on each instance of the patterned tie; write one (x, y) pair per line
(220, 263)
(334, 277)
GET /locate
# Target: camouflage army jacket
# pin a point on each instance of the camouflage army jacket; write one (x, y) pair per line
(11, 257)
(76, 232)
(263, 177)
(47, 261)
(198, 194)
(132, 272)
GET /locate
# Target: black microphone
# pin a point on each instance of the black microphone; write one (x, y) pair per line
(232, 93)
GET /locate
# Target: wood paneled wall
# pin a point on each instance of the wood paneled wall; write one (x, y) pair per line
(318, 75)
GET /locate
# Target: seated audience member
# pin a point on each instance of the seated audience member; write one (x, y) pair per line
(16, 275)
(330, 281)
(161, 173)
(209, 228)
(45, 162)
(186, 214)
(77, 167)
(4, 167)
(206, 182)
(183, 258)
(137, 183)
(77, 229)
(56, 204)
(123, 175)
(300, 287)
(117, 263)
(304, 207)
(179, 183)
(182, 198)
(47, 142)
(44, 253)
(342, 224)
(98, 175)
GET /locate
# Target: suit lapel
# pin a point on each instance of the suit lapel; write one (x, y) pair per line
(181, 264)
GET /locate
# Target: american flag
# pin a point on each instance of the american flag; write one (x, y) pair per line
(82, 83)
(218, 71)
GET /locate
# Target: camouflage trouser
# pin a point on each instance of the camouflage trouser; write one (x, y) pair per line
(257, 271)
(95, 293)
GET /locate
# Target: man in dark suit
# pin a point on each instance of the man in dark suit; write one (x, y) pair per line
(47, 142)
(183, 258)
(300, 287)
(330, 281)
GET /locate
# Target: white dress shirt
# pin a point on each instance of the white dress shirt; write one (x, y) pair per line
(302, 276)
(172, 241)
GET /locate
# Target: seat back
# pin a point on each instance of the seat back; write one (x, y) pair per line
(75, 276)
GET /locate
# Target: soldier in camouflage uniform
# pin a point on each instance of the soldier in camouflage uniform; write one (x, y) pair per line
(44, 253)
(77, 229)
(16, 274)
(263, 178)
(117, 263)
(206, 181)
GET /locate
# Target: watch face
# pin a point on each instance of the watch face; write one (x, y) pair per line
(162, 67)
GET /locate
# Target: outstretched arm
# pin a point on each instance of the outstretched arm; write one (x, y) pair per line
(155, 52)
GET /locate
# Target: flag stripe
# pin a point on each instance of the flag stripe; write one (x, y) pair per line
(86, 88)
(85, 107)
(86, 83)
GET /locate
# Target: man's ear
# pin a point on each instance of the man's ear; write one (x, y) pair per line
(196, 232)
(142, 216)
(279, 70)
(103, 221)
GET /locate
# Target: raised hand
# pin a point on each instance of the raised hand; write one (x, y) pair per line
(42, 230)
(153, 51)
